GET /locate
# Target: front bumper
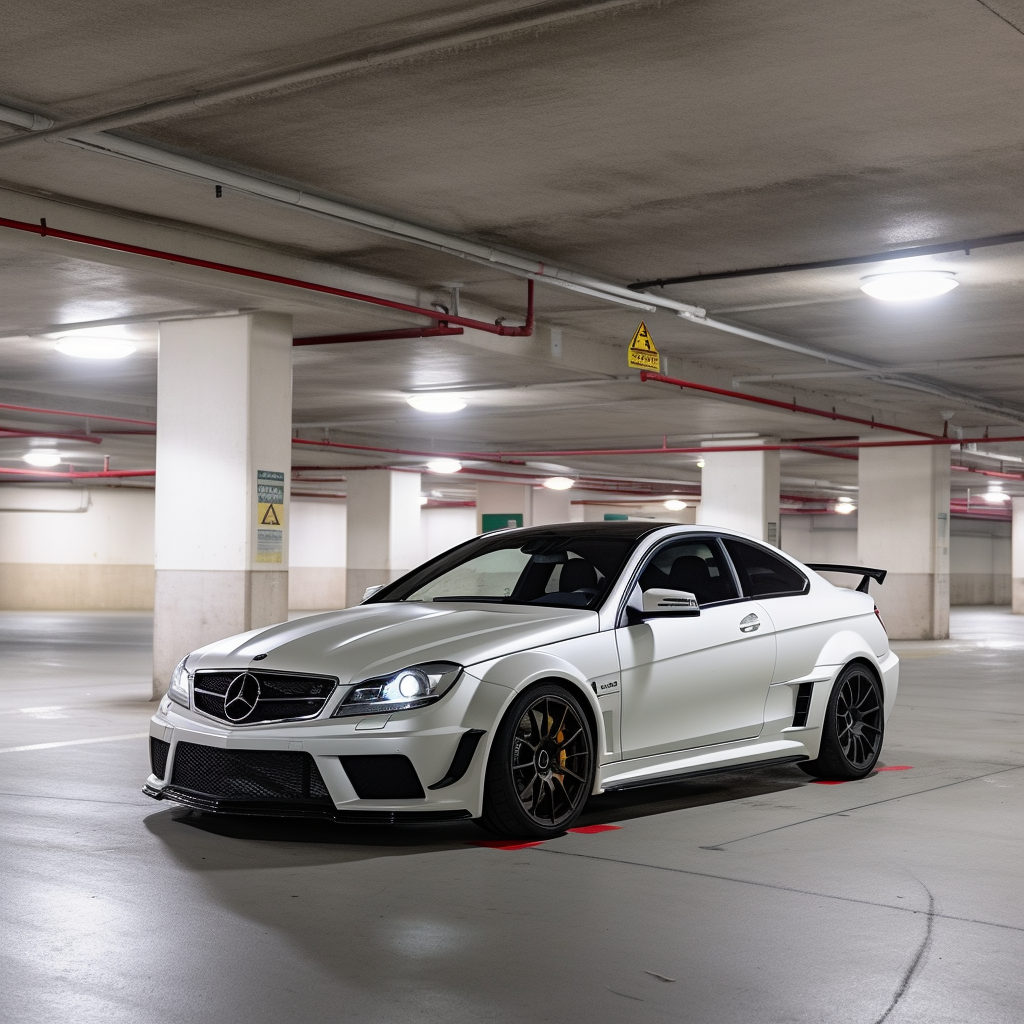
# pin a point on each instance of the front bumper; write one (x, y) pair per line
(375, 769)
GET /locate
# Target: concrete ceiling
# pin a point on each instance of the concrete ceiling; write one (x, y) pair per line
(626, 140)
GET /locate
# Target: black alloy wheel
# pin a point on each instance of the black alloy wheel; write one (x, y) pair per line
(541, 766)
(853, 728)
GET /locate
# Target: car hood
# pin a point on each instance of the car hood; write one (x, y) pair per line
(377, 639)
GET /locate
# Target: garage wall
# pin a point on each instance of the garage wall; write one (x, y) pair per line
(979, 562)
(829, 538)
(76, 548)
(443, 528)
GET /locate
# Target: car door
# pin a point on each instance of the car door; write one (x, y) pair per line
(694, 681)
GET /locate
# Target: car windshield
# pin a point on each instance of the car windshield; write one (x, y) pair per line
(518, 568)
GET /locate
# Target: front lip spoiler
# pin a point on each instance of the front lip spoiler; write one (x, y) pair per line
(323, 810)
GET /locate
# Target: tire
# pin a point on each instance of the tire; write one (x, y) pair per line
(853, 729)
(541, 766)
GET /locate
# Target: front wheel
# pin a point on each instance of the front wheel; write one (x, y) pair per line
(541, 766)
(851, 735)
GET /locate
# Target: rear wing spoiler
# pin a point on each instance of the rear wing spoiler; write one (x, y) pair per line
(858, 570)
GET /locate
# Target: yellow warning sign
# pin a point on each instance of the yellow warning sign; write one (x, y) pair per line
(642, 353)
(269, 516)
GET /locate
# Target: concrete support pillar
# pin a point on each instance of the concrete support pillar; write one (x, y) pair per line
(1017, 557)
(740, 491)
(223, 465)
(385, 535)
(550, 507)
(903, 526)
(498, 505)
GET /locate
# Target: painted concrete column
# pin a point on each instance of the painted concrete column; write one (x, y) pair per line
(551, 507)
(1017, 557)
(501, 505)
(740, 491)
(385, 536)
(223, 466)
(903, 526)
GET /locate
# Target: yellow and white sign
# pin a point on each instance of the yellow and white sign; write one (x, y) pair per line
(269, 516)
(642, 353)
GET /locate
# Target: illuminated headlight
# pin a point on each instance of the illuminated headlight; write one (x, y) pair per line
(180, 678)
(413, 687)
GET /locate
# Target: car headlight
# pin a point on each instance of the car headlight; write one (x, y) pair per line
(180, 678)
(412, 687)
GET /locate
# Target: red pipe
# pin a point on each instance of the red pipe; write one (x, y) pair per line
(646, 375)
(80, 415)
(989, 472)
(396, 335)
(91, 438)
(501, 456)
(75, 475)
(226, 268)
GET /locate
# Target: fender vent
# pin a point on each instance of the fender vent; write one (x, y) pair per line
(803, 704)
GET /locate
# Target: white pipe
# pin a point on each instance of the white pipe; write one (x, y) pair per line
(378, 223)
(23, 119)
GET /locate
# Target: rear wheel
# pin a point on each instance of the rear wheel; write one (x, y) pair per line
(541, 766)
(853, 728)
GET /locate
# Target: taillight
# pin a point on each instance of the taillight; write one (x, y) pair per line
(878, 615)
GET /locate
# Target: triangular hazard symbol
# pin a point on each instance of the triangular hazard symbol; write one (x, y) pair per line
(642, 340)
(270, 517)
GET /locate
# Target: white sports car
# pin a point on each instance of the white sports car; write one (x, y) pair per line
(515, 675)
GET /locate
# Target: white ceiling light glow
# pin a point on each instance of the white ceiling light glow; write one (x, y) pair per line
(909, 286)
(423, 499)
(42, 457)
(93, 347)
(700, 463)
(436, 403)
(675, 505)
(996, 496)
(444, 465)
(844, 506)
(559, 483)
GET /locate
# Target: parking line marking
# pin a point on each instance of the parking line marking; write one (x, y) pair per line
(593, 829)
(896, 768)
(73, 743)
(504, 844)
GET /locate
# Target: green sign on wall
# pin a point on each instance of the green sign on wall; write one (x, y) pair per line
(500, 520)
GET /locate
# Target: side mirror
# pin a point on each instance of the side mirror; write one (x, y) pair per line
(657, 601)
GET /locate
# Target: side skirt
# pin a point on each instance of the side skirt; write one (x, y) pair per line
(694, 773)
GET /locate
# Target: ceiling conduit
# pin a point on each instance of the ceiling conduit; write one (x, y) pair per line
(646, 375)
(45, 231)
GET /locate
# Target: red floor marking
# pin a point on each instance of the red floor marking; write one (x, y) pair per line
(505, 844)
(830, 782)
(591, 829)
(896, 768)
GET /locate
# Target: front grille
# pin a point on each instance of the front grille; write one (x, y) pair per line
(158, 750)
(281, 697)
(248, 774)
(383, 777)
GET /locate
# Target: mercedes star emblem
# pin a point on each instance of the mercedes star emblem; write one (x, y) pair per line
(241, 697)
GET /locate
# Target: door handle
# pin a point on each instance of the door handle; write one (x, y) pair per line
(749, 623)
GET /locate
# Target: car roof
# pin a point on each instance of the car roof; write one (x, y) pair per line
(631, 529)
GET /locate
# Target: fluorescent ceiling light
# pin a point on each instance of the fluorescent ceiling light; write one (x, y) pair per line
(675, 505)
(42, 457)
(700, 463)
(844, 506)
(423, 499)
(559, 483)
(93, 347)
(436, 403)
(995, 496)
(444, 465)
(910, 285)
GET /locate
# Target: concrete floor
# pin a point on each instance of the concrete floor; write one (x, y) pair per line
(755, 898)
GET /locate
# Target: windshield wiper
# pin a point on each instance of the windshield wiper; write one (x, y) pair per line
(478, 597)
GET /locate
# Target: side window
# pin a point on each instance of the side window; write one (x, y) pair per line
(763, 573)
(696, 566)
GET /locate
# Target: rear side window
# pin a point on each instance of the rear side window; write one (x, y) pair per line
(762, 573)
